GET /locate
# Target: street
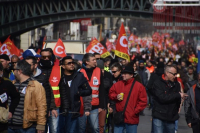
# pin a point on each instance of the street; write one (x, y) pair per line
(145, 123)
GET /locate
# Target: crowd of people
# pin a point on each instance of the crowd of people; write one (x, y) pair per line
(44, 93)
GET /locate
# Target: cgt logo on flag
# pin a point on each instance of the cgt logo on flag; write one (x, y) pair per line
(96, 47)
(122, 50)
(59, 49)
(54, 79)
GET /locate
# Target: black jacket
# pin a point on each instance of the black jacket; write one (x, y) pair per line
(191, 114)
(44, 80)
(6, 87)
(167, 100)
(47, 73)
(79, 87)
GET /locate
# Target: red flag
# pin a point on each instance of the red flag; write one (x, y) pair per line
(43, 45)
(59, 49)
(9, 48)
(109, 45)
(122, 45)
(96, 47)
(181, 42)
(138, 48)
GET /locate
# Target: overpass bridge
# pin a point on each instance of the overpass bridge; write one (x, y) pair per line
(19, 16)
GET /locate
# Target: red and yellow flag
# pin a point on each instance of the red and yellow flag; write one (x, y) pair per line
(122, 50)
(96, 47)
(9, 48)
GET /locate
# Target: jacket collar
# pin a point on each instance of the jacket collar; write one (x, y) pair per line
(38, 72)
(128, 81)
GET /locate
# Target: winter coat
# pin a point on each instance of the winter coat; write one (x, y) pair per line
(191, 114)
(167, 99)
(79, 87)
(144, 75)
(137, 101)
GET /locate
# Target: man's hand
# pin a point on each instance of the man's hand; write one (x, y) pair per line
(40, 131)
(87, 113)
(100, 109)
(54, 113)
(119, 97)
(189, 125)
(9, 115)
(110, 110)
(183, 95)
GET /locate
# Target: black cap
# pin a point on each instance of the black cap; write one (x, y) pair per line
(5, 57)
(128, 69)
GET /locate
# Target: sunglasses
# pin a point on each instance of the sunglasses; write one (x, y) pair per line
(98, 58)
(44, 57)
(15, 69)
(69, 63)
(13, 62)
(114, 71)
(173, 73)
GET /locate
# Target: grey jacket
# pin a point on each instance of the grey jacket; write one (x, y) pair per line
(191, 114)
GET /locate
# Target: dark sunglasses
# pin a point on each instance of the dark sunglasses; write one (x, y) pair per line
(69, 63)
(114, 71)
(13, 62)
(98, 58)
(173, 73)
(44, 57)
(15, 69)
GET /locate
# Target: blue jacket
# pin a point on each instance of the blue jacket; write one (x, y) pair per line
(144, 75)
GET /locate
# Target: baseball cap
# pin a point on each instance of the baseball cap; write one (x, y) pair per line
(30, 52)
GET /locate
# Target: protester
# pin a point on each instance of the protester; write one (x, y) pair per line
(30, 114)
(7, 89)
(43, 79)
(145, 76)
(107, 62)
(73, 86)
(136, 103)
(4, 59)
(192, 106)
(46, 64)
(107, 81)
(97, 56)
(167, 100)
(95, 78)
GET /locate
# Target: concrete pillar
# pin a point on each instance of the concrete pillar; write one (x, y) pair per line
(24, 41)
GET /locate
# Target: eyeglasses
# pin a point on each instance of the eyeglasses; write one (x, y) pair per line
(69, 63)
(44, 57)
(15, 69)
(114, 71)
(172, 73)
(98, 58)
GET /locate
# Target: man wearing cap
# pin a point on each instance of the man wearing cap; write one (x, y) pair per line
(136, 103)
(4, 59)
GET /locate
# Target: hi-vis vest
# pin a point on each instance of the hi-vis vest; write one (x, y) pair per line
(151, 69)
(94, 83)
(54, 82)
